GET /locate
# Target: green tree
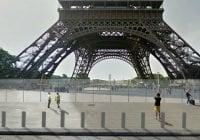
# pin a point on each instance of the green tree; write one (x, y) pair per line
(7, 69)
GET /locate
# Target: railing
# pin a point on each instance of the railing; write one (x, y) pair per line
(36, 90)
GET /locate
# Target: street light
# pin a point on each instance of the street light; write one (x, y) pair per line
(158, 86)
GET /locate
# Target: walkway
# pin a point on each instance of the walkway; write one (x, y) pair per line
(93, 113)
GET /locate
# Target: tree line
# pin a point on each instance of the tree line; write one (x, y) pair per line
(7, 68)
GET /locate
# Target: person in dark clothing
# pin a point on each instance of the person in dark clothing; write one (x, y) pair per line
(188, 95)
(157, 99)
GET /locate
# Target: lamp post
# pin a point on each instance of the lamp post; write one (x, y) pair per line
(109, 78)
(158, 86)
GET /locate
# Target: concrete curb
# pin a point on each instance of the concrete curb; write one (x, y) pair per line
(97, 132)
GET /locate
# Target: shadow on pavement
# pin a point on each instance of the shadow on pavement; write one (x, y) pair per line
(166, 123)
(54, 110)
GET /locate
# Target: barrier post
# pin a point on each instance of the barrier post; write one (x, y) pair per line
(82, 119)
(23, 119)
(162, 120)
(103, 116)
(123, 121)
(184, 118)
(43, 119)
(143, 120)
(3, 119)
(62, 119)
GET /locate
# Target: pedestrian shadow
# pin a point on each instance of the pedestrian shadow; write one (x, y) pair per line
(54, 110)
(64, 111)
(166, 123)
(58, 111)
(169, 124)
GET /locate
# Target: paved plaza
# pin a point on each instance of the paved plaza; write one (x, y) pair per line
(96, 96)
(121, 114)
(113, 113)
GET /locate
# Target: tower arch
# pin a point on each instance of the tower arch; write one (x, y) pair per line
(131, 30)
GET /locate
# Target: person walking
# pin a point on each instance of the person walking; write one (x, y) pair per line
(157, 99)
(49, 99)
(188, 95)
(57, 99)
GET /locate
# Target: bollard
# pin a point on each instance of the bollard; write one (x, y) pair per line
(43, 119)
(82, 119)
(23, 119)
(3, 119)
(23, 96)
(143, 120)
(123, 121)
(103, 116)
(184, 117)
(162, 120)
(62, 119)
(110, 96)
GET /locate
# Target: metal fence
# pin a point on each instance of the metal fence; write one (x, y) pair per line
(71, 90)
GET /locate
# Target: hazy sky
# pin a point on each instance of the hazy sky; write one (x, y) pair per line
(23, 21)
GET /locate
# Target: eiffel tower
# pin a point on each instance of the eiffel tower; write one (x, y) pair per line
(95, 30)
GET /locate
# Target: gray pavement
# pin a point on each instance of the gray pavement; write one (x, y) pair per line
(113, 113)
(13, 102)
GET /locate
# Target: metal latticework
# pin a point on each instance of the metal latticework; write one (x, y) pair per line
(129, 30)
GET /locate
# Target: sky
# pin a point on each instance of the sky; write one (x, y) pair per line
(23, 21)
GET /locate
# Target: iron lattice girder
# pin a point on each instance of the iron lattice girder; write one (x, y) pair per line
(169, 65)
(58, 58)
(110, 47)
(130, 30)
(167, 55)
(127, 56)
(141, 58)
(82, 63)
(36, 59)
(130, 42)
(181, 50)
(154, 4)
(88, 56)
(102, 54)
